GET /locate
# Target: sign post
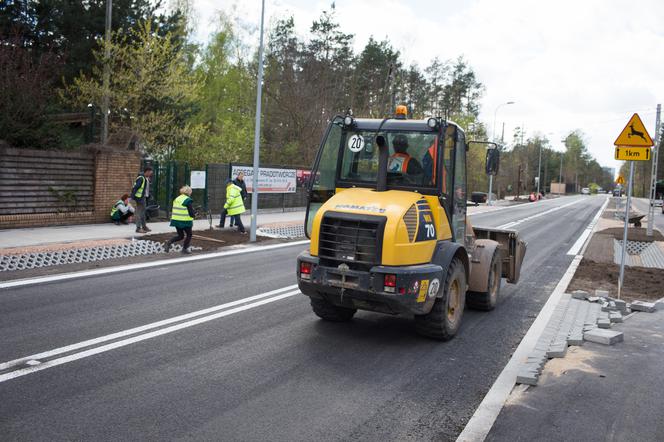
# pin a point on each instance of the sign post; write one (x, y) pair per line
(633, 144)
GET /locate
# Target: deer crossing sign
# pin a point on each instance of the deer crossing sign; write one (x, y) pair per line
(634, 134)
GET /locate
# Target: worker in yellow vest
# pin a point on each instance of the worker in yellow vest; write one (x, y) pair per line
(182, 218)
(234, 206)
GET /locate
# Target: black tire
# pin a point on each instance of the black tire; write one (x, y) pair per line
(330, 312)
(486, 301)
(444, 319)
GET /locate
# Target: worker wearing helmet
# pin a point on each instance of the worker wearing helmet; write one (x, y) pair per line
(401, 161)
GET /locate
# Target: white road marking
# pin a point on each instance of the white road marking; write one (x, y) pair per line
(144, 265)
(576, 248)
(143, 328)
(539, 214)
(117, 344)
(480, 423)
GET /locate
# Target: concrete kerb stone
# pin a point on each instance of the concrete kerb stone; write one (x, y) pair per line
(640, 306)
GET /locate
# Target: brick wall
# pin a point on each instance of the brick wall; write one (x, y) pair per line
(47, 188)
(115, 172)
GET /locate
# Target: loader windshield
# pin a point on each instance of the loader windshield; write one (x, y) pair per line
(413, 156)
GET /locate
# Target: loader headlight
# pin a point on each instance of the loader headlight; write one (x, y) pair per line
(349, 121)
(432, 123)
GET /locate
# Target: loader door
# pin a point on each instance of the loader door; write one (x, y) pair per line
(459, 189)
(323, 173)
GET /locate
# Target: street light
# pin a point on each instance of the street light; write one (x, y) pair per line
(495, 114)
(493, 134)
(257, 133)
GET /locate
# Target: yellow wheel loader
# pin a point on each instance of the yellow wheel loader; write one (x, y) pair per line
(388, 226)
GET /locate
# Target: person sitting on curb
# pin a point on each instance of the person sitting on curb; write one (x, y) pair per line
(121, 211)
(233, 207)
(182, 218)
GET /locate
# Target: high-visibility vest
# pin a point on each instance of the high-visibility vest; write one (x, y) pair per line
(234, 204)
(114, 209)
(433, 152)
(398, 163)
(141, 188)
(180, 211)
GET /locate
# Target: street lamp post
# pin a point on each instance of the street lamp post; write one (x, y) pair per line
(257, 132)
(493, 134)
(539, 171)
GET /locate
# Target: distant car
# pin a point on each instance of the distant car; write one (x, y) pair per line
(616, 192)
(585, 191)
(481, 197)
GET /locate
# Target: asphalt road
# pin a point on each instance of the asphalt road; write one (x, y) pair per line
(266, 369)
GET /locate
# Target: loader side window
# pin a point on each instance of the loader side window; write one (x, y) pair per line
(323, 174)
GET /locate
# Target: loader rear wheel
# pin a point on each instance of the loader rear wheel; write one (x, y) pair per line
(330, 312)
(444, 319)
(486, 301)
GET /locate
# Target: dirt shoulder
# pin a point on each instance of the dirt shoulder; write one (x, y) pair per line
(599, 271)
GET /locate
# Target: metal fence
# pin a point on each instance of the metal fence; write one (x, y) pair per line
(169, 176)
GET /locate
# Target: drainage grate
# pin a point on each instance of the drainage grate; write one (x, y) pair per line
(648, 254)
(635, 247)
(74, 256)
(284, 231)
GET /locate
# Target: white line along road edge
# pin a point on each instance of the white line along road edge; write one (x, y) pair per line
(144, 265)
(141, 337)
(586, 233)
(484, 417)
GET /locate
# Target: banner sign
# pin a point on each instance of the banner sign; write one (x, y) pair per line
(269, 180)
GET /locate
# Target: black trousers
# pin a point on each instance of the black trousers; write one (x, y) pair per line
(181, 234)
(238, 222)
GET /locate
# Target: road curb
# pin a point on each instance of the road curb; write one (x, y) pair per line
(145, 265)
(487, 412)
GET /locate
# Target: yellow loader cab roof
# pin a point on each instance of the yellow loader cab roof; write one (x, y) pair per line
(399, 125)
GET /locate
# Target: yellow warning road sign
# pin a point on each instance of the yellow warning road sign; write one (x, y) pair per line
(634, 135)
(620, 180)
(632, 154)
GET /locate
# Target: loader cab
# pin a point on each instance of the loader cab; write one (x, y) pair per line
(423, 156)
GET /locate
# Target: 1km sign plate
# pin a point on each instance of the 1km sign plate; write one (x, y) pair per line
(632, 153)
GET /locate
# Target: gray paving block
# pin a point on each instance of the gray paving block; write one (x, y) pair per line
(659, 305)
(580, 294)
(640, 306)
(606, 307)
(620, 305)
(615, 317)
(527, 377)
(606, 337)
(602, 293)
(604, 323)
(594, 298)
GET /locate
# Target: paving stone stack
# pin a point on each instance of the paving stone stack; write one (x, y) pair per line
(578, 317)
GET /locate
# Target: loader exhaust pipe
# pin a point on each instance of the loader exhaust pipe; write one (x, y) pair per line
(383, 156)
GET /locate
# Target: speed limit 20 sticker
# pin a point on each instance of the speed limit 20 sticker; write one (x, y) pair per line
(356, 143)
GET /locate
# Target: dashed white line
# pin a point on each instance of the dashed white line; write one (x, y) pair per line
(537, 215)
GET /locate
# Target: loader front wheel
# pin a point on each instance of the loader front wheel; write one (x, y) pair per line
(444, 319)
(486, 301)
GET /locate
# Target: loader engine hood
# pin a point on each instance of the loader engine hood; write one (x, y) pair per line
(378, 228)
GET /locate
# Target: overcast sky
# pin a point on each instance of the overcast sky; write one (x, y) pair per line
(584, 64)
